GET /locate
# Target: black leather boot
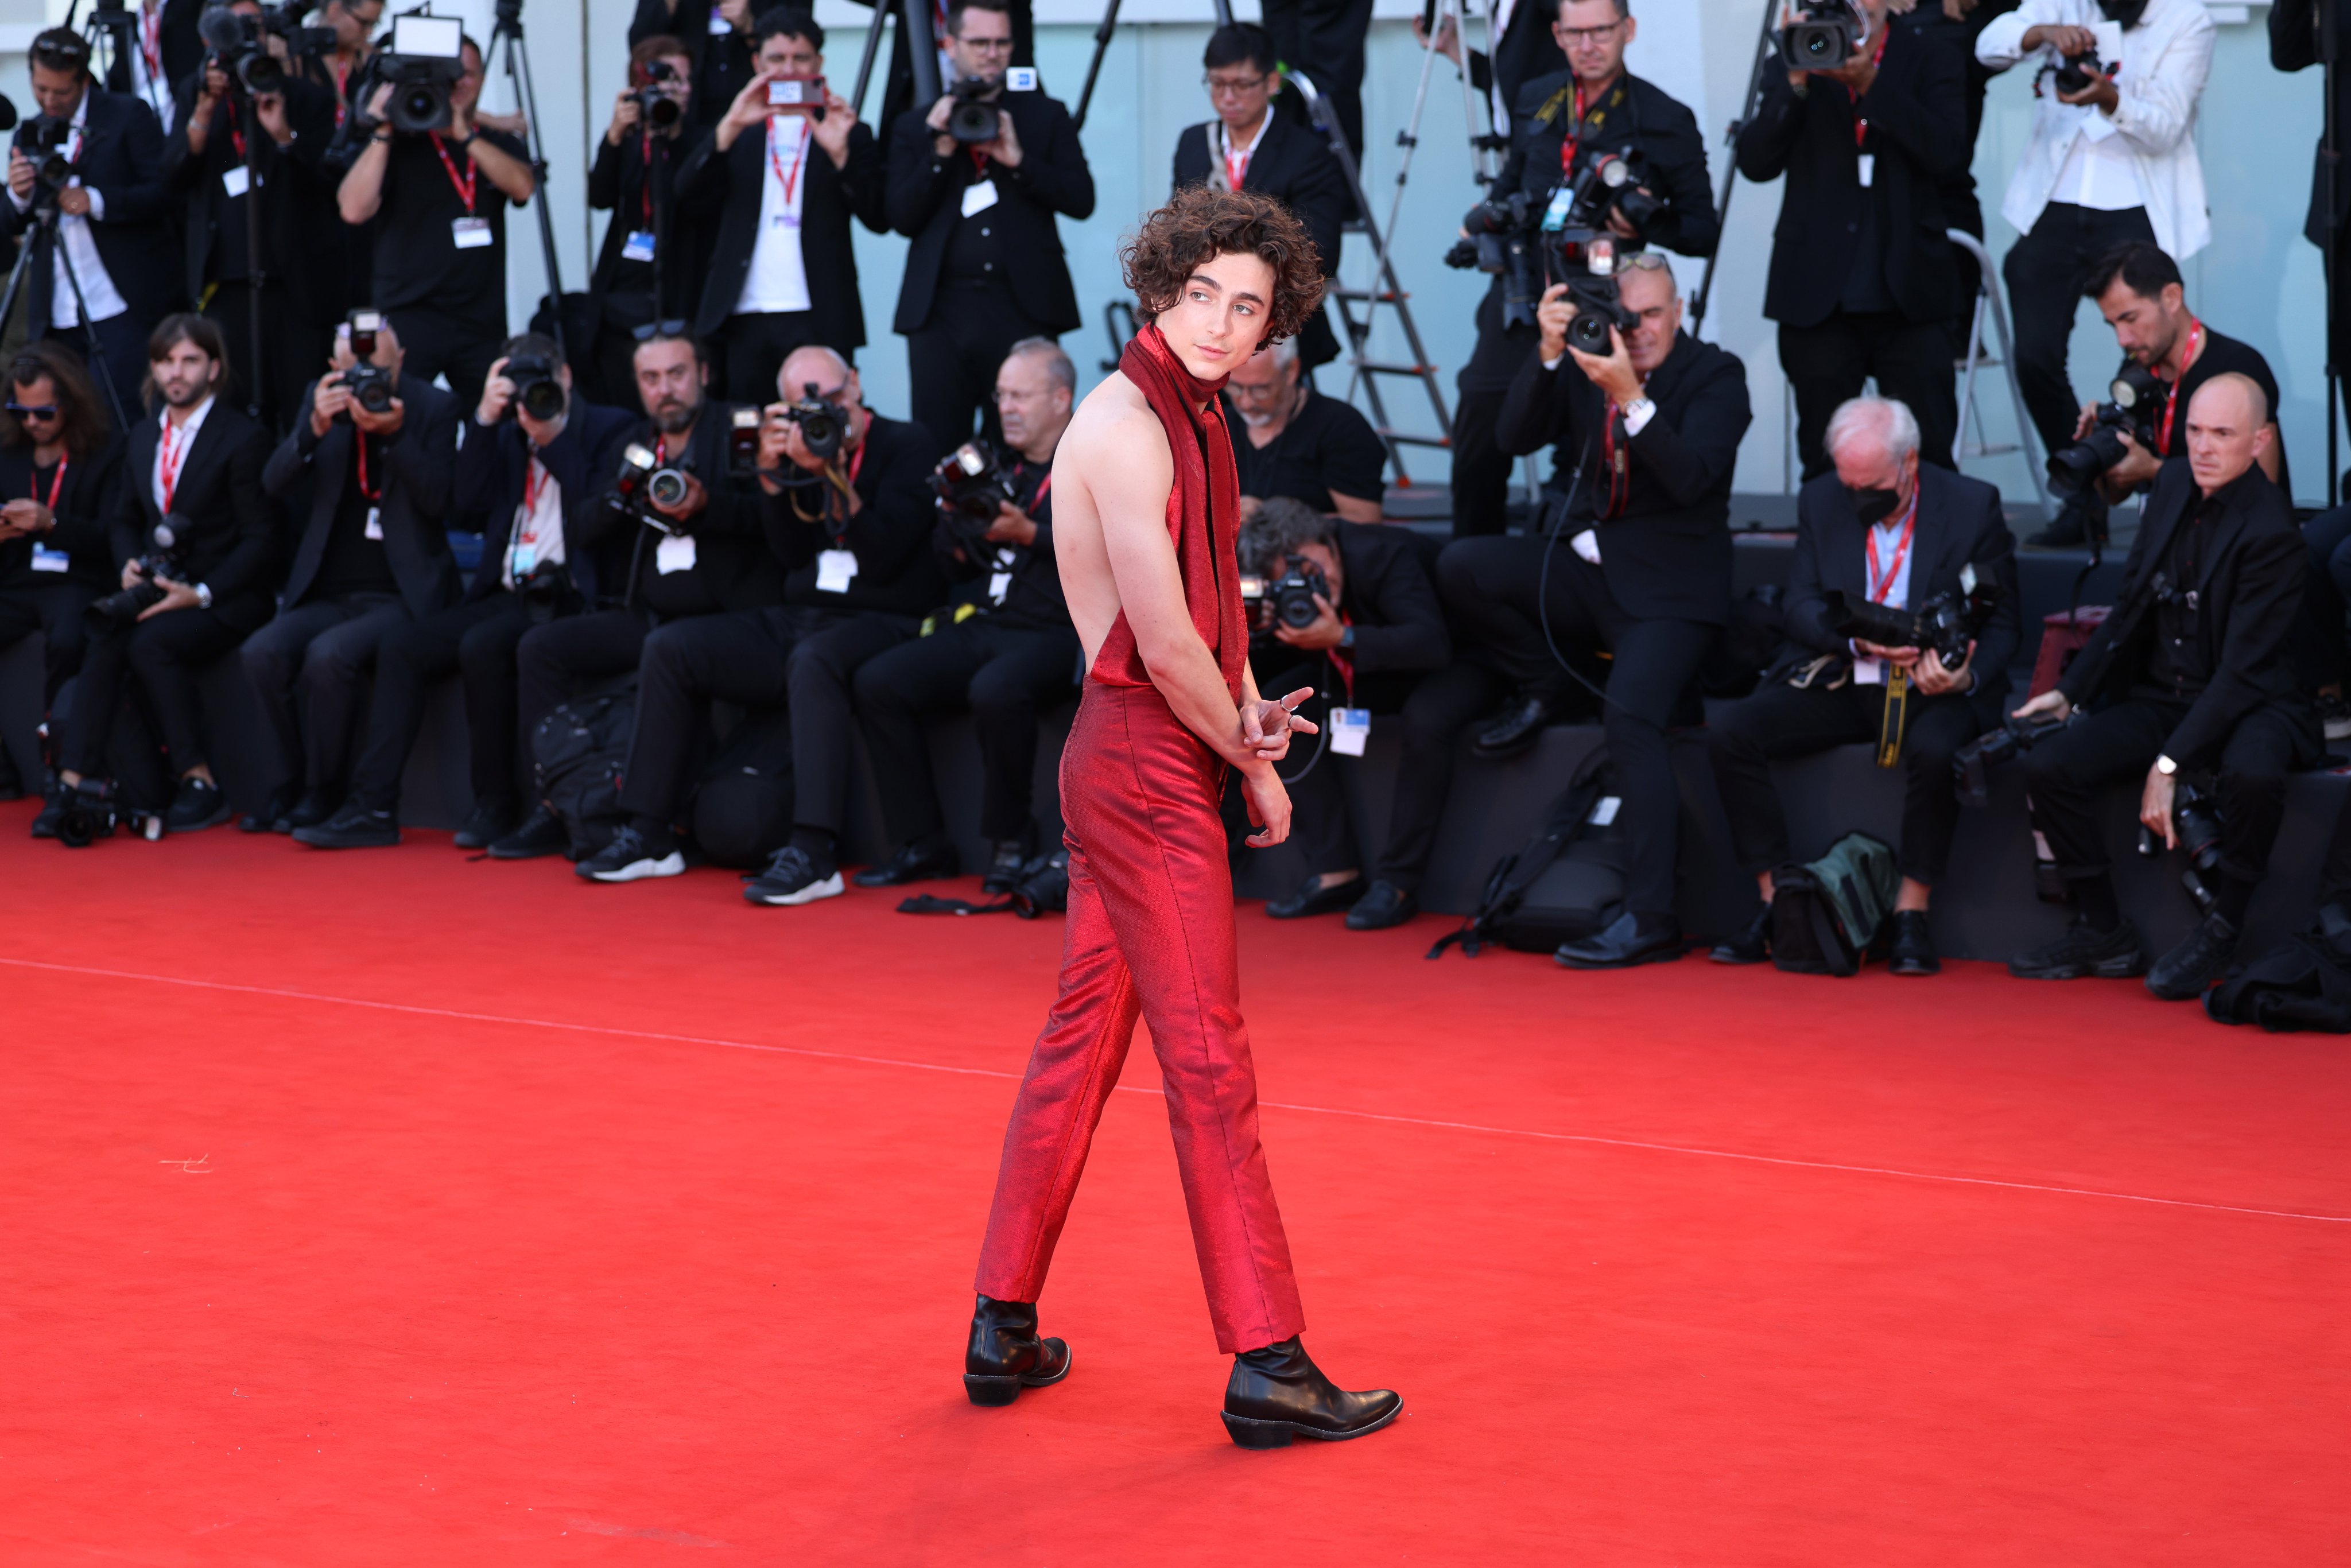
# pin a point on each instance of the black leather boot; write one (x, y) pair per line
(1006, 1356)
(1278, 1393)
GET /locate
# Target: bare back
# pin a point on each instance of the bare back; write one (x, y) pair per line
(1111, 477)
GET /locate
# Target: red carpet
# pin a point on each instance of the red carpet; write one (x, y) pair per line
(388, 1208)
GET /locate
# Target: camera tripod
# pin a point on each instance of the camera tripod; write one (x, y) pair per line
(508, 31)
(43, 240)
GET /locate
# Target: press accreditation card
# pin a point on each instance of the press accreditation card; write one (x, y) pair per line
(675, 553)
(1869, 168)
(375, 524)
(47, 560)
(638, 247)
(978, 197)
(469, 233)
(1349, 728)
(835, 570)
(236, 181)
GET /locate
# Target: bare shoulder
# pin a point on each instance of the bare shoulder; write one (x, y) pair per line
(1117, 442)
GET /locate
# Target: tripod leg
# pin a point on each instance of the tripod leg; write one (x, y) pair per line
(527, 98)
(921, 49)
(883, 10)
(90, 331)
(1094, 66)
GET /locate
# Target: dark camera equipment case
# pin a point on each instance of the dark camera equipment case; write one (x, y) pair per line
(578, 750)
(1564, 883)
(1826, 916)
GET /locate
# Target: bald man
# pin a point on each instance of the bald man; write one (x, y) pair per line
(2189, 682)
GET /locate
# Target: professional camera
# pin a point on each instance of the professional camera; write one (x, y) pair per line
(2135, 395)
(119, 611)
(543, 589)
(237, 43)
(1607, 183)
(536, 391)
(972, 119)
(1823, 34)
(1945, 624)
(1294, 592)
(644, 484)
(370, 385)
(970, 480)
(2077, 71)
(661, 111)
(743, 443)
(823, 427)
(90, 814)
(48, 141)
(1502, 240)
(1998, 747)
(423, 63)
(1594, 292)
(2196, 822)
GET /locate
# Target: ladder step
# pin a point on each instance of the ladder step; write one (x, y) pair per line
(1377, 368)
(2000, 451)
(1408, 438)
(1384, 296)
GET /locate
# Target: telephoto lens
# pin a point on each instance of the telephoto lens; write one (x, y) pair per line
(972, 121)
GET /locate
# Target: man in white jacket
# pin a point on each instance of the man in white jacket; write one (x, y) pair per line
(2112, 160)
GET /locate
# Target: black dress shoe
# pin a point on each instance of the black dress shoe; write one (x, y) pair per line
(542, 834)
(2187, 971)
(1006, 1357)
(1519, 727)
(1383, 904)
(1630, 939)
(53, 806)
(195, 806)
(916, 862)
(1912, 951)
(1313, 898)
(1278, 1393)
(1753, 945)
(2084, 953)
(487, 826)
(12, 783)
(271, 813)
(1004, 866)
(352, 828)
(316, 806)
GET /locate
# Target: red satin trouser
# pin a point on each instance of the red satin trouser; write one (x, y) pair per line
(1150, 933)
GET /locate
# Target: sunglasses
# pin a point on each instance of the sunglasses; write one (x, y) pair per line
(671, 328)
(46, 411)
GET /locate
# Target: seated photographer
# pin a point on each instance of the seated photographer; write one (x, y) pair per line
(1376, 628)
(850, 518)
(2112, 160)
(371, 456)
(986, 268)
(1883, 530)
(439, 200)
(1300, 443)
(635, 178)
(187, 598)
(1637, 563)
(699, 555)
(526, 474)
(1562, 125)
(59, 464)
(1004, 656)
(2189, 677)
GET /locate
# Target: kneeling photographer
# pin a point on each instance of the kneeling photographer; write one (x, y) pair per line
(2188, 681)
(1005, 651)
(1635, 558)
(1347, 609)
(1572, 133)
(1880, 539)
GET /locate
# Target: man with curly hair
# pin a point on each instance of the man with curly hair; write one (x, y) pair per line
(1146, 520)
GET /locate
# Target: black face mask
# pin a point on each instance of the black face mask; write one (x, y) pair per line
(1874, 507)
(2126, 12)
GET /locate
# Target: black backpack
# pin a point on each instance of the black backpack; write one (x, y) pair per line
(2304, 983)
(742, 809)
(580, 749)
(1564, 883)
(1824, 915)
(1044, 888)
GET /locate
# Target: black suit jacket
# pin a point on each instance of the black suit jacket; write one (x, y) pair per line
(1918, 118)
(418, 462)
(733, 565)
(493, 467)
(1960, 525)
(1662, 129)
(1668, 556)
(2293, 46)
(891, 536)
(84, 510)
(926, 202)
(122, 160)
(182, 45)
(833, 197)
(1387, 595)
(230, 541)
(619, 184)
(1293, 165)
(2250, 592)
(296, 193)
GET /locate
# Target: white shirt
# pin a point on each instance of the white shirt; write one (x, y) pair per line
(779, 277)
(1221, 149)
(150, 83)
(176, 443)
(98, 289)
(538, 534)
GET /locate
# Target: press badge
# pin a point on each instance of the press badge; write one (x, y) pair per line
(1604, 809)
(1350, 727)
(1869, 168)
(978, 197)
(1021, 79)
(718, 21)
(469, 233)
(675, 553)
(236, 181)
(999, 581)
(46, 559)
(526, 556)
(374, 524)
(638, 247)
(1555, 215)
(834, 569)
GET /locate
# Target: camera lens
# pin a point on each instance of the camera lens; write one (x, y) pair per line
(661, 110)
(543, 400)
(667, 489)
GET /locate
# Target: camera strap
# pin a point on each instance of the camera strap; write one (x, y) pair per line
(376, 494)
(1861, 121)
(1896, 715)
(1616, 456)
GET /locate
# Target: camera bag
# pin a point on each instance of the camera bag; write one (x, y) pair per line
(2304, 983)
(742, 809)
(578, 751)
(1824, 915)
(1044, 888)
(1565, 882)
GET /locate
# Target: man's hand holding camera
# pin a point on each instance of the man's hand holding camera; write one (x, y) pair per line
(1012, 527)
(176, 595)
(1927, 671)
(1612, 372)
(627, 115)
(688, 505)
(2072, 43)
(2138, 465)
(499, 397)
(1005, 149)
(22, 175)
(1323, 631)
(780, 441)
(334, 398)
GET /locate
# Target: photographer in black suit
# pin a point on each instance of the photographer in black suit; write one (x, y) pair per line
(635, 178)
(1529, 48)
(2188, 676)
(164, 48)
(1862, 275)
(198, 464)
(1377, 629)
(1250, 147)
(1884, 529)
(783, 269)
(373, 458)
(986, 269)
(113, 218)
(1561, 121)
(1005, 654)
(1638, 563)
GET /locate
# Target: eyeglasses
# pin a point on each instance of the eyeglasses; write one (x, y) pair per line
(989, 45)
(1219, 85)
(674, 328)
(1643, 261)
(1584, 37)
(46, 411)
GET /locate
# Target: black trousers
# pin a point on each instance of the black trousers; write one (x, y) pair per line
(553, 660)
(954, 357)
(1003, 676)
(2326, 593)
(1445, 703)
(480, 642)
(754, 348)
(1318, 818)
(435, 343)
(1481, 469)
(2066, 774)
(1324, 38)
(166, 652)
(306, 666)
(1500, 587)
(55, 611)
(2046, 270)
(293, 348)
(122, 342)
(1780, 721)
(1911, 360)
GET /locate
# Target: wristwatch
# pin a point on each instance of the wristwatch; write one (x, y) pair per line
(2164, 766)
(1346, 636)
(204, 596)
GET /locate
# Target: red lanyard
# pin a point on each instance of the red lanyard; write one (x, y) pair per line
(649, 180)
(790, 182)
(465, 186)
(979, 165)
(1861, 122)
(342, 81)
(1237, 161)
(1574, 138)
(376, 494)
(2172, 402)
(236, 137)
(150, 41)
(1879, 587)
(1043, 490)
(171, 456)
(56, 483)
(1617, 459)
(856, 463)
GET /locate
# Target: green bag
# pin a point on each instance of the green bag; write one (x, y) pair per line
(1824, 915)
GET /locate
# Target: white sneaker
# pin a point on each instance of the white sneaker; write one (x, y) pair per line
(791, 877)
(628, 858)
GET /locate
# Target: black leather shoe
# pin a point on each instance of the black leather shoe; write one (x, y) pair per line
(1383, 904)
(315, 806)
(2083, 953)
(1753, 945)
(1006, 1356)
(542, 834)
(916, 862)
(352, 828)
(2184, 973)
(1004, 867)
(1519, 727)
(1630, 939)
(272, 812)
(1913, 949)
(487, 826)
(1313, 898)
(195, 806)
(53, 806)
(12, 783)
(1278, 1393)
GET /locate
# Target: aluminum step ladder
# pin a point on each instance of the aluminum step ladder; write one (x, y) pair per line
(1968, 439)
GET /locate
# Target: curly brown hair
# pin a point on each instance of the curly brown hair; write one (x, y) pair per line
(1198, 223)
